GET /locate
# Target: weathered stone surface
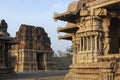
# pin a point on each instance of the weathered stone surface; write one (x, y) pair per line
(96, 43)
(34, 49)
(3, 26)
(6, 59)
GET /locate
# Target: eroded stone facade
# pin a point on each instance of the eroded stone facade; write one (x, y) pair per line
(34, 50)
(95, 38)
(6, 58)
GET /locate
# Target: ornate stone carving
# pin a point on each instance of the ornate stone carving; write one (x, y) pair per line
(34, 49)
(96, 41)
(106, 42)
(107, 76)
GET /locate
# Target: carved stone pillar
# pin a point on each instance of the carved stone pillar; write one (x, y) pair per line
(106, 45)
(91, 40)
(106, 42)
(87, 43)
(74, 59)
(44, 60)
(74, 44)
(80, 43)
(78, 47)
(100, 43)
(96, 45)
(83, 43)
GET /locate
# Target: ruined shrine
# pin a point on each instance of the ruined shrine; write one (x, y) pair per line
(94, 29)
(6, 42)
(34, 51)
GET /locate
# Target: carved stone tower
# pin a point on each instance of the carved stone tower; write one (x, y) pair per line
(34, 50)
(94, 28)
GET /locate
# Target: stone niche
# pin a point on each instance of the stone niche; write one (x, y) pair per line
(34, 51)
(95, 38)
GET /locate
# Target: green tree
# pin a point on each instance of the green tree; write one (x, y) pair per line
(60, 53)
(69, 52)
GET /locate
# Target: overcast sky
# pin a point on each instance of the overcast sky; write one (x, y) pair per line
(37, 13)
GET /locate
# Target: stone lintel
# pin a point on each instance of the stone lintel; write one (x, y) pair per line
(101, 3)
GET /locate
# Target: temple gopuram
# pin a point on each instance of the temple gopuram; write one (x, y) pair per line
(94, 29)
(6, 42)
(34, 51)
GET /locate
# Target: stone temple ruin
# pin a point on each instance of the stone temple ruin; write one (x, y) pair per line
(94, 29)
(34, 51)
(6, 42)
(30, 50)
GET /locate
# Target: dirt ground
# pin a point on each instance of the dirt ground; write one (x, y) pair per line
(53, 78)
(38, 75)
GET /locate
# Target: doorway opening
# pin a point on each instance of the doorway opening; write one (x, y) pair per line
(114, 36)
(40, 61)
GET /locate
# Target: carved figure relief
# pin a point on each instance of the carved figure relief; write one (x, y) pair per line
(106, 42)
(107, 76)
